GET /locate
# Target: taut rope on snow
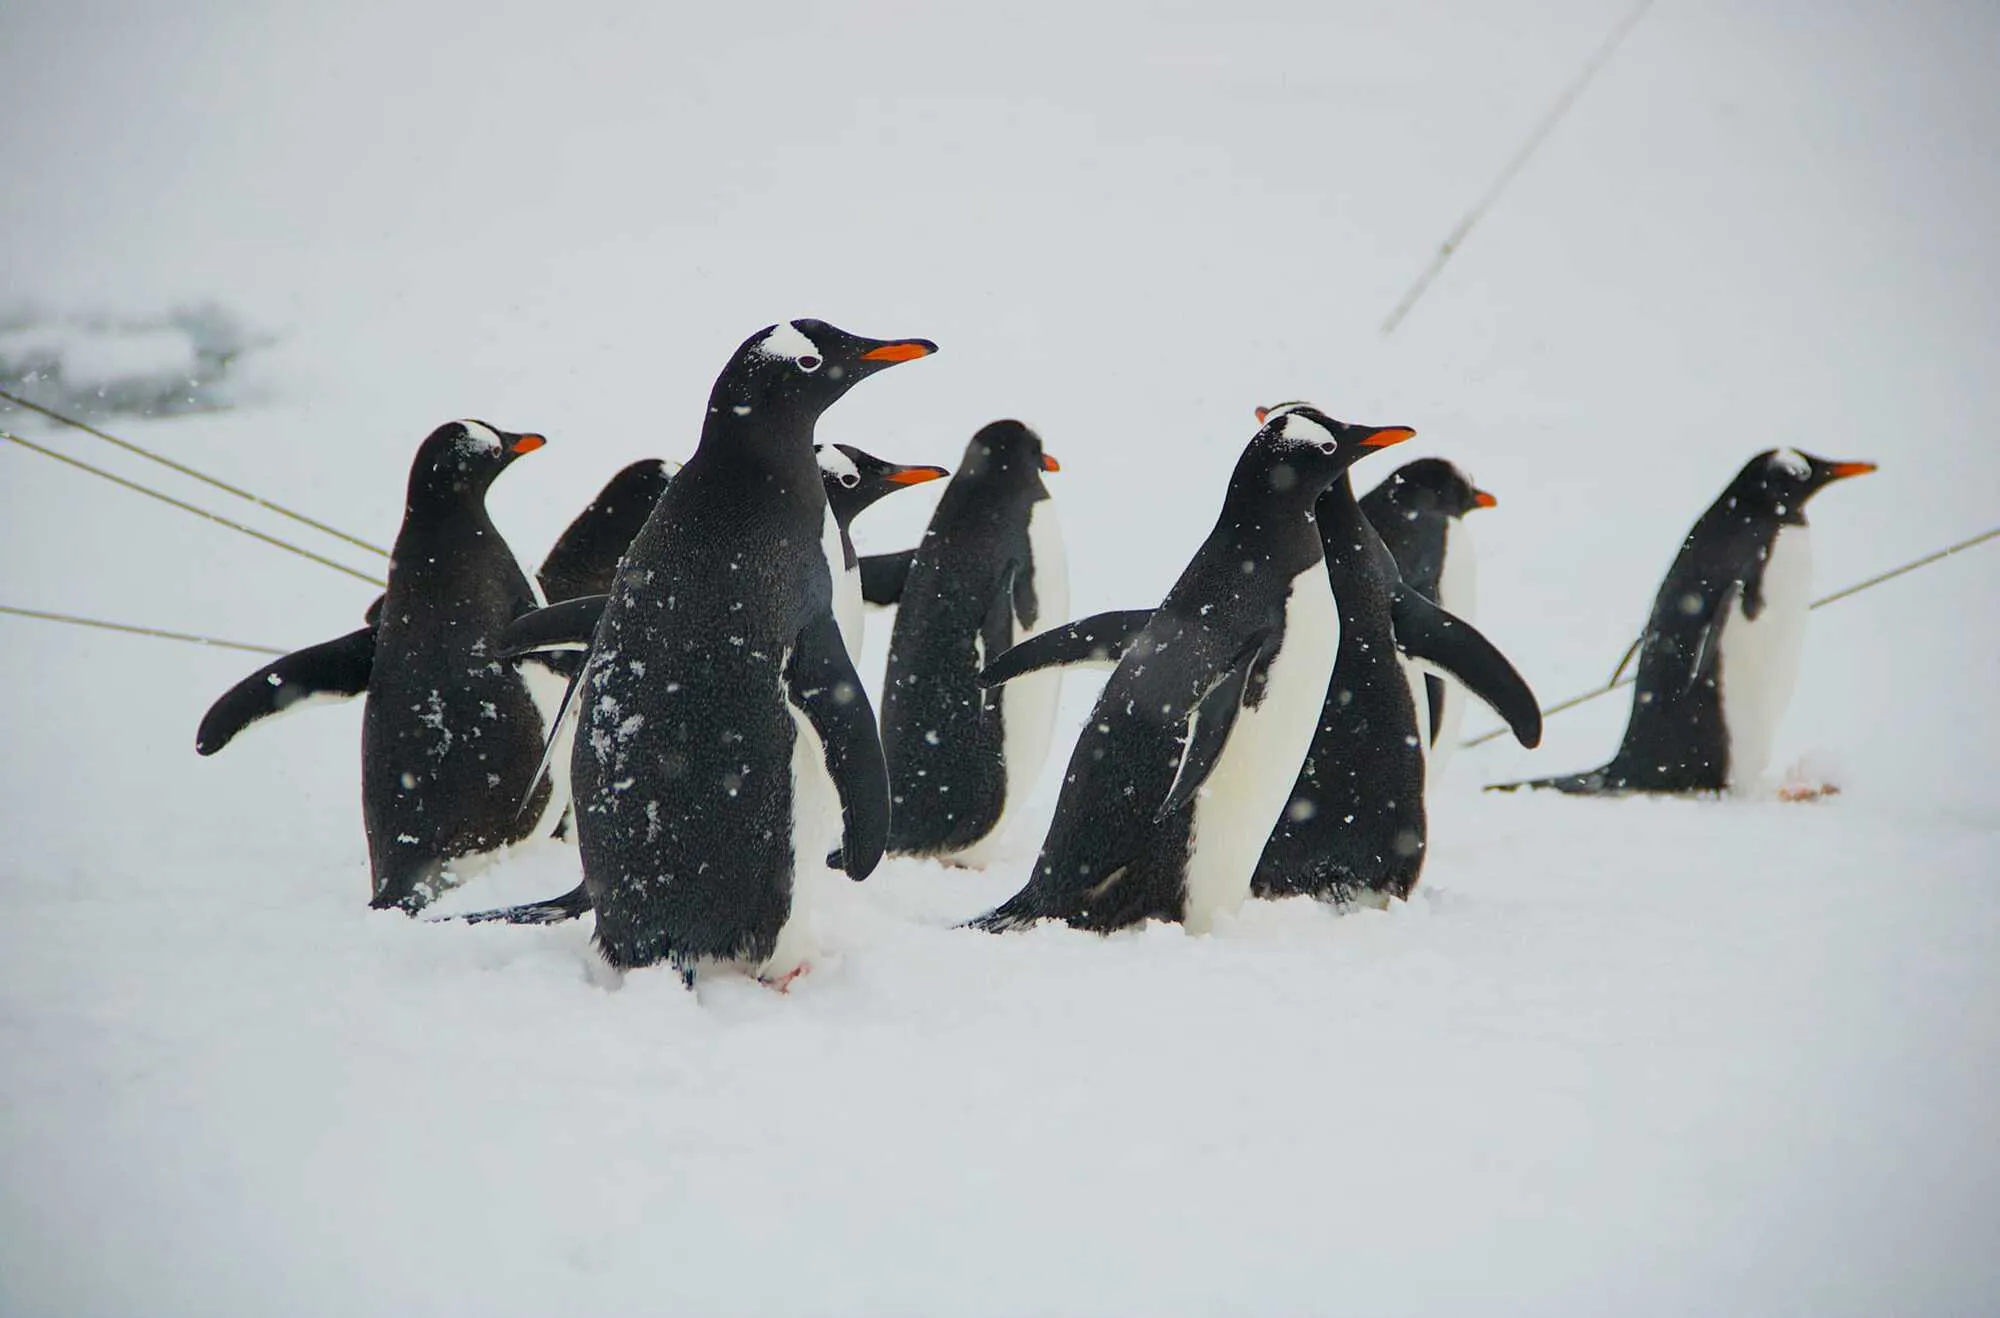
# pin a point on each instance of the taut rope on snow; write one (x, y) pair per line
(1456, 238)
(73, 620)
(1845, 592)
(285, 545)
(185, 470)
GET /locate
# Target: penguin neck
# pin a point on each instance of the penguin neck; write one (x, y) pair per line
(1268, 492)
(437, 499)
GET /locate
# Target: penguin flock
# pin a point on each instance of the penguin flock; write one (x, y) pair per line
(675, 692)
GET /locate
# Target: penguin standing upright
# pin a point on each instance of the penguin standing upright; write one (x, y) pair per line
(855, 481)
(1720, 652)
(988, 572)
(718, 695)
(1355, 828)
(1193, 746)
(450, 732)
(585, 556)
(1416, 512)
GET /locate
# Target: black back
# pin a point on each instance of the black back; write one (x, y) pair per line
(1110, 859)
(1675, 739)
(450, 737)
(969, 594)
(682, 768)
(1356, 817)
(585, 556)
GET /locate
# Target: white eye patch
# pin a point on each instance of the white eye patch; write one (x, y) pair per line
(839, 466)
(1302, 429)
(1791, 462)
(479, 438)
(786, 342)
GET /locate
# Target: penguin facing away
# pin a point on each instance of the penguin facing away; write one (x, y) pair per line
(1720, 653)
(1191, 750)
(1417, 512)
(718, 696)
(1354, 827)
(585, 556)
(988, 572)
(450, 732)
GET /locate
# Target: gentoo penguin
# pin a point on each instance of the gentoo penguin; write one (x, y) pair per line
(585, 556)
(450, 732)
(1416, 512)
(1354, 828)
(1720, 653)
(718, 695)
(988, 572)
(1191, 750)
(854, 482)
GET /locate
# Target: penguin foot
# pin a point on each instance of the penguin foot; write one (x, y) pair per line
(1807, 791)
(783, 983)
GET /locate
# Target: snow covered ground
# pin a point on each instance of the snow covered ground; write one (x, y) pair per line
(1640, 1057)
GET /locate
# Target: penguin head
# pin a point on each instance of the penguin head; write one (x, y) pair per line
(1432, 485)
(794, 371)
(462, 458)
(1783, 479)
(1303, 448)
(855, 479)
(1007, 450)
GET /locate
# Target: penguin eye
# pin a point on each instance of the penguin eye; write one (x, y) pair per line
(849, 480)
(1329, 448)
(809, 363)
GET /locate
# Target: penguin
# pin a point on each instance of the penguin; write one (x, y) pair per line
(718, 695)
(1354, 829)
(988, 572)
(1416, 511)
(1192, 748)
(450, 731)
(585, 556)
(855, 481)
(1720, 653)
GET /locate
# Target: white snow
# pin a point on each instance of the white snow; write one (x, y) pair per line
(1617, 1057)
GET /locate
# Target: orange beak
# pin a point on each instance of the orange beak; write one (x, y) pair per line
(1262, 412)
(1481, 499)
(907, 351)
(1840, 469)
(528, 443)
(918, 475)
(1388, 435)
(1050, 464)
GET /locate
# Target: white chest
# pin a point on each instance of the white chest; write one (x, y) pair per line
(1758, 658)
(1252, 781)
(847, 604)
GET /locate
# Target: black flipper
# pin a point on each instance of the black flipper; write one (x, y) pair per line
(338, 668)
(821, 681)
(1709, 644)
(553, 911)
(565, 626)
(1102, 638)
(1208, 731)
(883, 575)
(1428, 633)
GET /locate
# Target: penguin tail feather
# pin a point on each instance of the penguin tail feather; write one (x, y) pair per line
(1594, 783)
(553, 911)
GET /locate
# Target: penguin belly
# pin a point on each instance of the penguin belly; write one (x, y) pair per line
(1758, 657)
(1239, 805)
(1458, 594)
(1028, 704)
